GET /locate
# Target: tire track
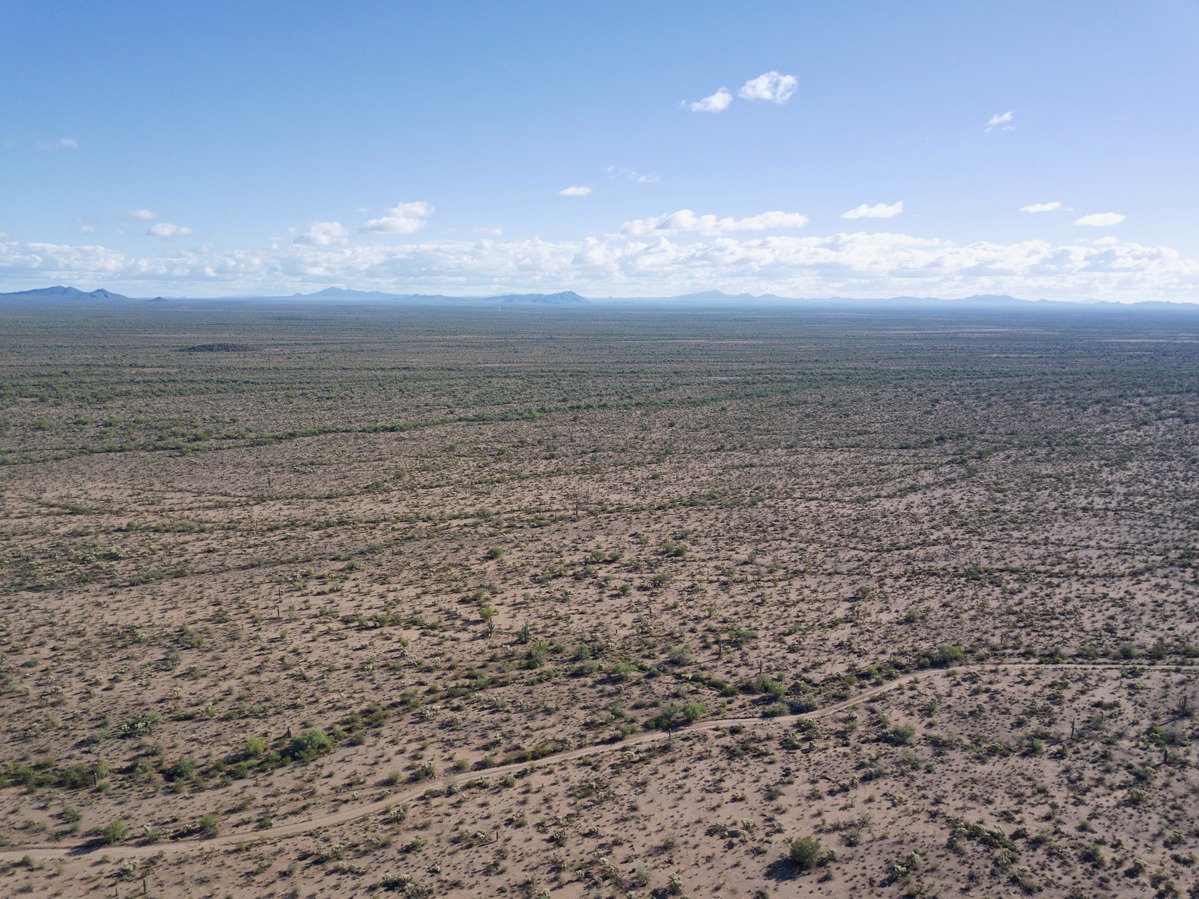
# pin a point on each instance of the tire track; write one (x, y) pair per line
(46, 852)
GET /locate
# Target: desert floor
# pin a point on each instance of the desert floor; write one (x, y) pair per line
(332, 600)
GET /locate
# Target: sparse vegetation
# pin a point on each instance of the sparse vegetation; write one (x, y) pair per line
(349, 566)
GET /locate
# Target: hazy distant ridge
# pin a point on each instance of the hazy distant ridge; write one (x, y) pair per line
(567, 297)
(63, 293)
(706, 299)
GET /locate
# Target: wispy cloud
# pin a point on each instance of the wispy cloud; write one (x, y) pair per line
(406, 218)
(1001, 120)
(323, 234)
(1041, 207)
(686, 220)
(574, 191)
(877, 211)
(628, 174)
(166, 229)
(1100, 219)
(770, 87)
(141, 215)
(58, 143)
(717, 102)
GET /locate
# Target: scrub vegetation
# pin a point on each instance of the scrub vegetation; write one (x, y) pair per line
(316, 600)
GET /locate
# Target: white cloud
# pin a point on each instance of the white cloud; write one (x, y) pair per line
(323, 234)
(61, 143)
(631, 175)
(767, 220)
(1003, 119)
(770, 87)
(717, 102)
(145, 215)
(166, 229)
(659, 263)
(1100, 219)
(686, 220)
(86, 228)
(497, 231)
(1041, 207)
(574, 191)
(877, 211)
(406, 218)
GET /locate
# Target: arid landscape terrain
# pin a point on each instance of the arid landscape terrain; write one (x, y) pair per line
(304, 599)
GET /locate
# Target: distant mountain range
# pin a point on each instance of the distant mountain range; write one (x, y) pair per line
(62, 293)
(344, 293)
(713, 299)
(566, 298)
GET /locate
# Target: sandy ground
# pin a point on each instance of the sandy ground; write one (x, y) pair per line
(578, 607)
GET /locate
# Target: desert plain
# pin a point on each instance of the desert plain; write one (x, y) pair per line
(308, 600)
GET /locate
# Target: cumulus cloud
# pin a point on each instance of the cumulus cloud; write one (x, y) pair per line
(1041, 207)
(1100, 219)
(659, 263)
(406, 218)
(877, 211)
(144, 215)
(717, 102)
(574, 191)
(166, 229)
(59, 143)
(323, 234)
(770, 87)
(1001, 120)
(686, 220)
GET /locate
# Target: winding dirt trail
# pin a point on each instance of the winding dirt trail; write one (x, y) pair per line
(353, 813)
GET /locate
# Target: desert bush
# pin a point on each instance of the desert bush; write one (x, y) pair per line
(114, 831)
(208, 826)
(404, 886)
(804, 853)
(941, 656)
(310, 744)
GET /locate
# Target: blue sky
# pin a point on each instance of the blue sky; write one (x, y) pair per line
(628, 149)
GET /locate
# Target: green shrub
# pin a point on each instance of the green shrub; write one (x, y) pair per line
(941, 656)
(256, 746)
(114, 831)
(678, 713)
(308, 745)
(208, 826)
(900, 735)
(184, 769)
(804, 853)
